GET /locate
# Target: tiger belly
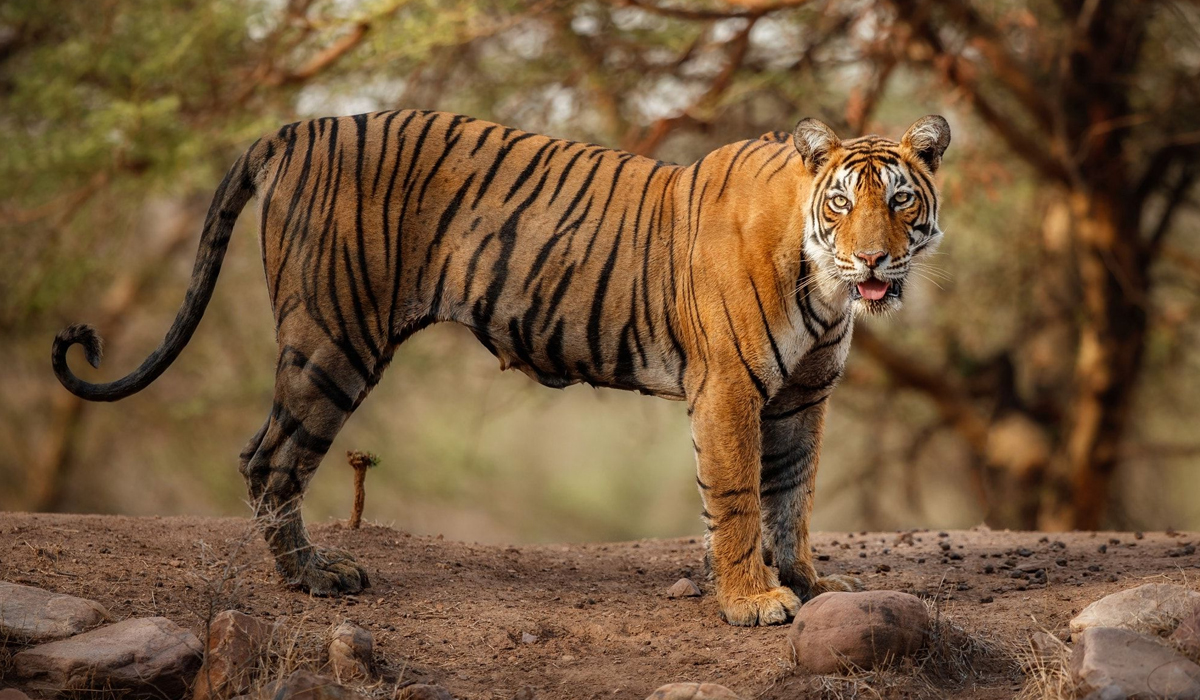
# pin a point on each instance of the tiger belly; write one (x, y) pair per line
(556, 366)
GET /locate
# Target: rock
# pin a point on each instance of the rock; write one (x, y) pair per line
(838, 630)
(693, 691)
(32, 615)
(1046, 646)
(148, 657)
(525, 692)
(527, 638)
(1139, 666)
(1149, 608)
(351, 651)
(421, 691)
(1187, 635)
(12, 694)
(1108, 692)
(684, 588)
(306, 685)
(235, 648)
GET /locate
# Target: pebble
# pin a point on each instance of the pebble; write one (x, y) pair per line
(684, 588)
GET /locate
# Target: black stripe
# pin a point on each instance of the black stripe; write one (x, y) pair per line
(793, 411)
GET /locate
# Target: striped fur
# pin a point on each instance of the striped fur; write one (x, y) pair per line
(724, 283)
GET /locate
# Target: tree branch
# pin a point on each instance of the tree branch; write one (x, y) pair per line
(951, 400)
(752, 10)
(1176, 197)
(653, 137)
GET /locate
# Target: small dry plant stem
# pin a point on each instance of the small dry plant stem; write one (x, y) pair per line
(360, 462)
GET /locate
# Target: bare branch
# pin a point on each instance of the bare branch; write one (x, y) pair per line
(749, 10)
(952, 401)
(1176, 197)
(653, 137)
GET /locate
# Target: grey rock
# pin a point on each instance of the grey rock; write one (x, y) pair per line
(147, 657)
(1046, 646)
(1108, 692)
(684, 588)
(837, 631)
(12, 694)
(351, 651)
(1139, 666)
(32, 615)
(1150, 608)
(1187, 635)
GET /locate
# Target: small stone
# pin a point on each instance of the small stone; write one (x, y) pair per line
(421, 691)
(235, 647)
(32, 615)
(12, 694)
(306, 685)
(684, 588)
(1148, 608)
(149, 657)
(1140, 666)
(838, 630)
(351, 650)
(527, 638)
(525, 692)
(693, 691)
(1187, 635)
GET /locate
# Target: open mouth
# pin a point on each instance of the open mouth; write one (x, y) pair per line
(876, 289)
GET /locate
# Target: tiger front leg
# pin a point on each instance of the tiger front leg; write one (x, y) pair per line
(725, 428)
(793, 424)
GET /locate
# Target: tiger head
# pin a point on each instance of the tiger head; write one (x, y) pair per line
(873, 209)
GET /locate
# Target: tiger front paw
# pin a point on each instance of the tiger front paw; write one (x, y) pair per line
(772, 607)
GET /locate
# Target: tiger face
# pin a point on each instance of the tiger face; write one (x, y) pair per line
(873, 209)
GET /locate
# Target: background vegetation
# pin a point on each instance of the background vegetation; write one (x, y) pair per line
(1046, 378)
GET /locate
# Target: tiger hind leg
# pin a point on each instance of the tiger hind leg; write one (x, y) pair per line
(316, 390)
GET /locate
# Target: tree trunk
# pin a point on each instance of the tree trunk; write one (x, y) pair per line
(1112, 334)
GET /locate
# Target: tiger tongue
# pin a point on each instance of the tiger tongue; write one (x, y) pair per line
(873, 289)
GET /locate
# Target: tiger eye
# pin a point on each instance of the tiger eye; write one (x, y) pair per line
(902, 198)
(840, 201)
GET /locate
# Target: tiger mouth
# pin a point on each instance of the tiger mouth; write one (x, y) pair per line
(875, 289)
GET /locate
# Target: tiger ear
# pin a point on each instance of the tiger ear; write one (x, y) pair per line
(816, 142)
(928, 139)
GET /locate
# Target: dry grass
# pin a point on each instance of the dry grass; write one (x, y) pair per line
(1047, 671)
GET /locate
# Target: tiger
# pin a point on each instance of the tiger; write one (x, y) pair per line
(731, 283)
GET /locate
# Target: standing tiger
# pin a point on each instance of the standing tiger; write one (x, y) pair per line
(731, 284)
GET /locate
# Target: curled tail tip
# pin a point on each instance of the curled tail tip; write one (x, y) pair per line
(85, 335)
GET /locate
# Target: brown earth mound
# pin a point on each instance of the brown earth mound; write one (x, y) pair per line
(591, 620)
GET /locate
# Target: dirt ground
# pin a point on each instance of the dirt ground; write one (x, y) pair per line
(591, 620)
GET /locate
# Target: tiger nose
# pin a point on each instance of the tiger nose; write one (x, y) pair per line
(871, 259)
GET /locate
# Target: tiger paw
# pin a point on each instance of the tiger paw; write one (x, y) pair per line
(836, 582)
(772, 607)
(330, 572)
